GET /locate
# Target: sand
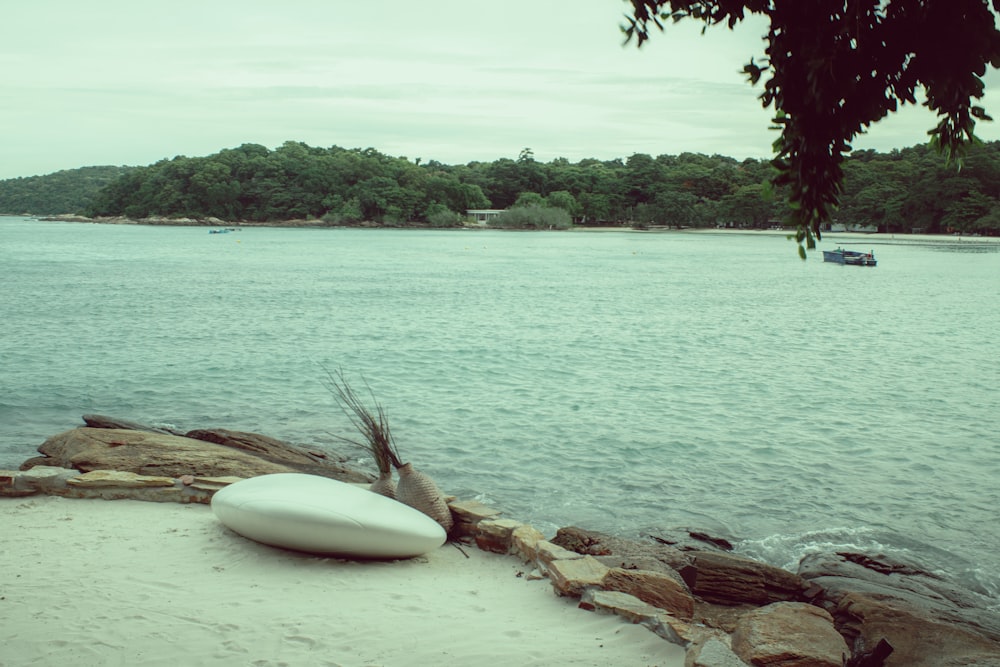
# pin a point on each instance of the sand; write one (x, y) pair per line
(96, 582)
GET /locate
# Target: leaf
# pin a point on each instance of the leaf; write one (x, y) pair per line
(753, 72)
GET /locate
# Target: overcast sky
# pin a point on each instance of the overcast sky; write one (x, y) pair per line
(127, 82)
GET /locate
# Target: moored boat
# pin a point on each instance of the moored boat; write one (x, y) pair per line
(850, 257)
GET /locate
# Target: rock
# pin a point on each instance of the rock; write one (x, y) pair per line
(571, 577)
(789, 634)
(159, 454)
(630, 607)
(882, 578)
(655, 588)
(549, 553)
(210, 484)
(495, 535)
(9, 486)
(619, 603)
(264, 446)
(917, 639)
(691, 539)
(107, 484)
(468, 514)
(116, 478)
(44, 479)
(611, 548)
(732, 580)
(102, 421)
(524, 543)
(713, 652)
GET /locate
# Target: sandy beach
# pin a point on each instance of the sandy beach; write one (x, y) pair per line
(96, 582)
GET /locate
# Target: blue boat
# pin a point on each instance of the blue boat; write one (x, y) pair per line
(850, 257)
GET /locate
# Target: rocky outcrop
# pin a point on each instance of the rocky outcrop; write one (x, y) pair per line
(618, 552)
(925, 620)
(110, 485)
(732, 580)
(154, 453)
(655, 588)
(713, 652)
(789, 634)
(103, 421)
(726, 610)
(264, 446)
(714, 576)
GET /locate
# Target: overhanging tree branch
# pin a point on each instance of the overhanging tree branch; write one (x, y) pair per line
(835, 67)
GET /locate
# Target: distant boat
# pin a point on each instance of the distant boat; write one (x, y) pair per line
(225, 230)
(851, 257)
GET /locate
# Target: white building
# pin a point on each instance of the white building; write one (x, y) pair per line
(483, 216)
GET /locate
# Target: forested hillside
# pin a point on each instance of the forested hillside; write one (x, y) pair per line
(68, 191)
(902, 191)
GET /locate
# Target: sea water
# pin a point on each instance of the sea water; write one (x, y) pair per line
(622, 382)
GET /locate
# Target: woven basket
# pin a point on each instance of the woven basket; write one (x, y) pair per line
(419, 492)
(385, 485)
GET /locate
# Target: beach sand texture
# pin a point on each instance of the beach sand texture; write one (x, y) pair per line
(96, 582)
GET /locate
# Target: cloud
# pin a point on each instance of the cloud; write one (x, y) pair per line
(130, 83)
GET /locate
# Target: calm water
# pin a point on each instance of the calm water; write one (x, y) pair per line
(619, 381)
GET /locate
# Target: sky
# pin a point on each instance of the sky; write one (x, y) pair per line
(116, 82)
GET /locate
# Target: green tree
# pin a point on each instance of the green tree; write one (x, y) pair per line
(675, 207)
(833, 68)
(563, 199)
(529, 199)
(67, 191)
(439, 215)
(595, 208)
(643, 176)
(750, 205)
(533, 217)
(964, 214)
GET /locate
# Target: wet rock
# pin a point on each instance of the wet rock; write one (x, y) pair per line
(926, 620)
(692, 539)
(886, 578)
(917, 640)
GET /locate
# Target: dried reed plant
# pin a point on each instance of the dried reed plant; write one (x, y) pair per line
(415, 488)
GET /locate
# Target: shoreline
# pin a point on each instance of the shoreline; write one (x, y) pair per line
(91, 576)
(132, 582)
(159, 555)
(877, 238)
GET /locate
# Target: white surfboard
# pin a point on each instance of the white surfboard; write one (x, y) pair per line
(323, 516)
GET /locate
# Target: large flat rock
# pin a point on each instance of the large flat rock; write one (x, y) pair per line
(163, 454)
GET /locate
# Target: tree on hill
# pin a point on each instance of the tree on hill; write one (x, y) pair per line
(67, 191)
(899, 191)
(834, 67)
